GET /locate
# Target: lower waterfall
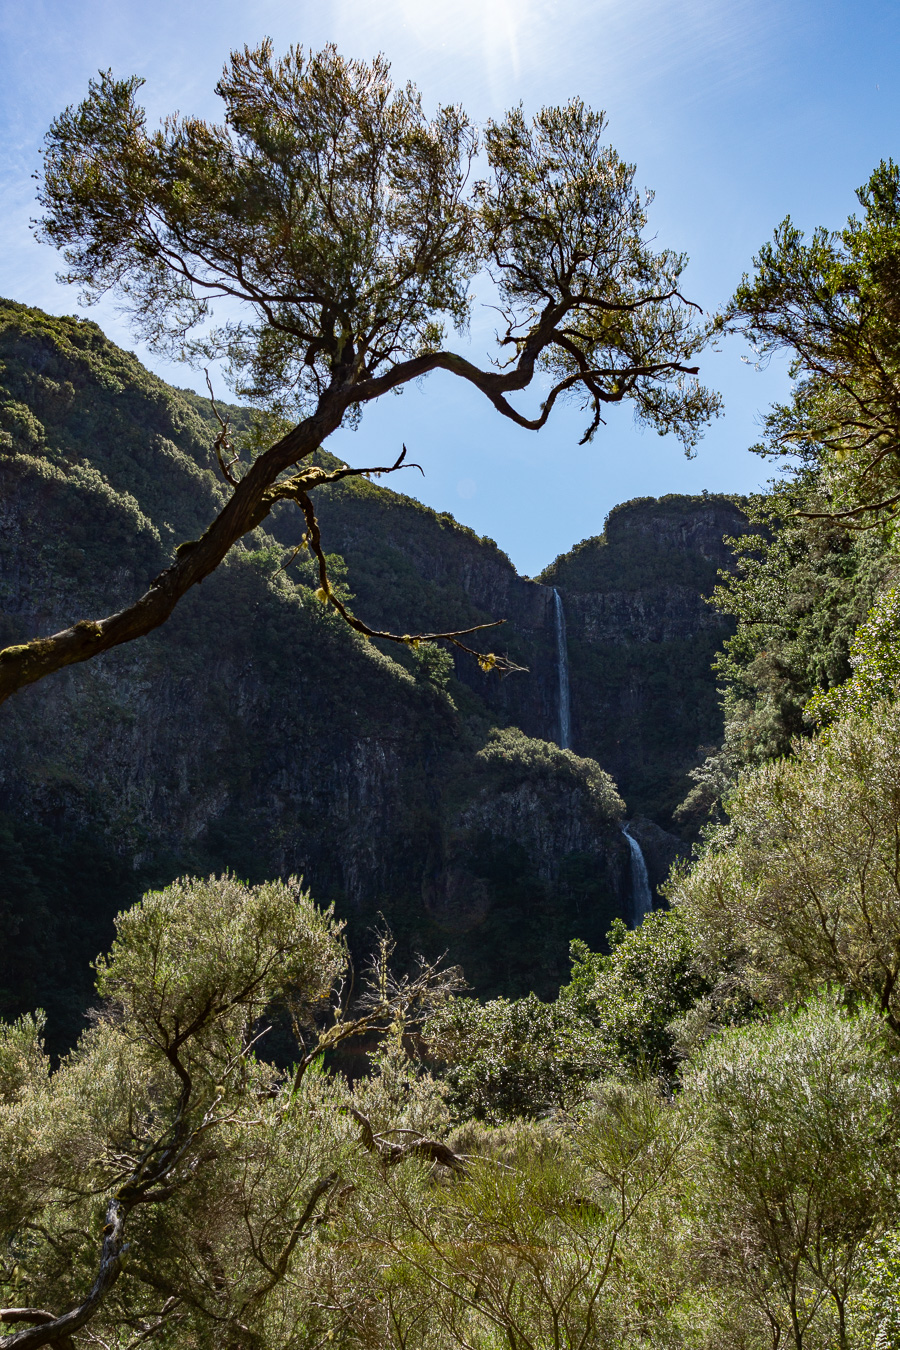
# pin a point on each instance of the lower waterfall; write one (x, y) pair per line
(641, 894)
(562, 667)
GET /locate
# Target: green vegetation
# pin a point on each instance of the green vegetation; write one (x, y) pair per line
(347, 229)
(875, 662)
(803, 883)
(693, 1144)
(801, 589)
(166, 1180)
(831, 302)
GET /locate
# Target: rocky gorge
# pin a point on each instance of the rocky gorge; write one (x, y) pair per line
(255, 732)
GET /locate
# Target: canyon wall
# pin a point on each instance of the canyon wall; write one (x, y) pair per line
(255, 732)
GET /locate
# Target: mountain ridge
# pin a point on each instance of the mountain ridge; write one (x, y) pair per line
(254, 731)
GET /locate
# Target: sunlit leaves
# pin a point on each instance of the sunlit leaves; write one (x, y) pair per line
(830, 302)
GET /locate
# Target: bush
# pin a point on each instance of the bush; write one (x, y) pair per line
(802, 885)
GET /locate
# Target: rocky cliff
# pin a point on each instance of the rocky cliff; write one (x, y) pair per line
(256, 732)
(641, 635)
(642, 639)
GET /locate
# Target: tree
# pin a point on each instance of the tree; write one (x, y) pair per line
(343, 228)
(803, 883)
(795, 1166)
(634, 994)
(164, 1180)
(832, 303)
(513, 1057)
(876, 665)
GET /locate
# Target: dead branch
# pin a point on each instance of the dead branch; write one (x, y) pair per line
(222, 441)
(487, 660)
(421, 1146)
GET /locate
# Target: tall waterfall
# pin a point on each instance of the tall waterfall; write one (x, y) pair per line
(562, 666)
(641, 894)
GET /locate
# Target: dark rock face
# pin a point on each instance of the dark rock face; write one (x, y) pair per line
(642, 639)
(641, 636)
(411, 568)
(254, 731)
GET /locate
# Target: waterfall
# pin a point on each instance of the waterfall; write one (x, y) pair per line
(641, 894)
(562, 666)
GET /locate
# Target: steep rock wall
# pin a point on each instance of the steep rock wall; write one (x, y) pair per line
(253, 731)
(642, 640)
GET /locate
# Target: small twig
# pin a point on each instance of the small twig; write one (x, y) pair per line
(222, 442)
(487, 660)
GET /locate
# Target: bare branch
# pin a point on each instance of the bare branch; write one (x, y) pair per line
(222, 442)
(421, 1146)
(487, 661)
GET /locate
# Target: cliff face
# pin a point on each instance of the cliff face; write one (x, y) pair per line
(253, 731)
(642, 639)
(641, 636)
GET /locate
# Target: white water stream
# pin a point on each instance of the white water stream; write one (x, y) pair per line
(641, 894)
(562, 666)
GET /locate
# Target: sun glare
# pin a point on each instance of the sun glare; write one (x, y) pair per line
(485, 34)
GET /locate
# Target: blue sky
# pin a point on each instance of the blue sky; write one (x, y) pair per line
(735, 113)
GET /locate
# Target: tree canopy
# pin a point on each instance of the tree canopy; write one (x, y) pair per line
(831, 301)
(821, 547)
(344, 230)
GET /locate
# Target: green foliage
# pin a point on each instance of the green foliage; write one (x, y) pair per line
(832, 303)
(796, 1161)
(341, 224)
(875, 1309)
(560, 209)
(163, 1126)
(633, 995)
(90, 403)
(509, 1058)
(432, 664)
(288, 1210)
(801, 589)
(398, 235)
(823, 548)
(510, 757)
(344, 220)
(217, 953)
(22, 1059)
(274, 644)
(801, 886)
(596, 1190)
(875, 659)
(622, 1013)
(536, 1244)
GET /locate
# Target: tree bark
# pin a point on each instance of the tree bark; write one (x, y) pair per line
(58, 1330)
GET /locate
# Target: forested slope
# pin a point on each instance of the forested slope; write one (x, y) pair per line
(255, 732)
